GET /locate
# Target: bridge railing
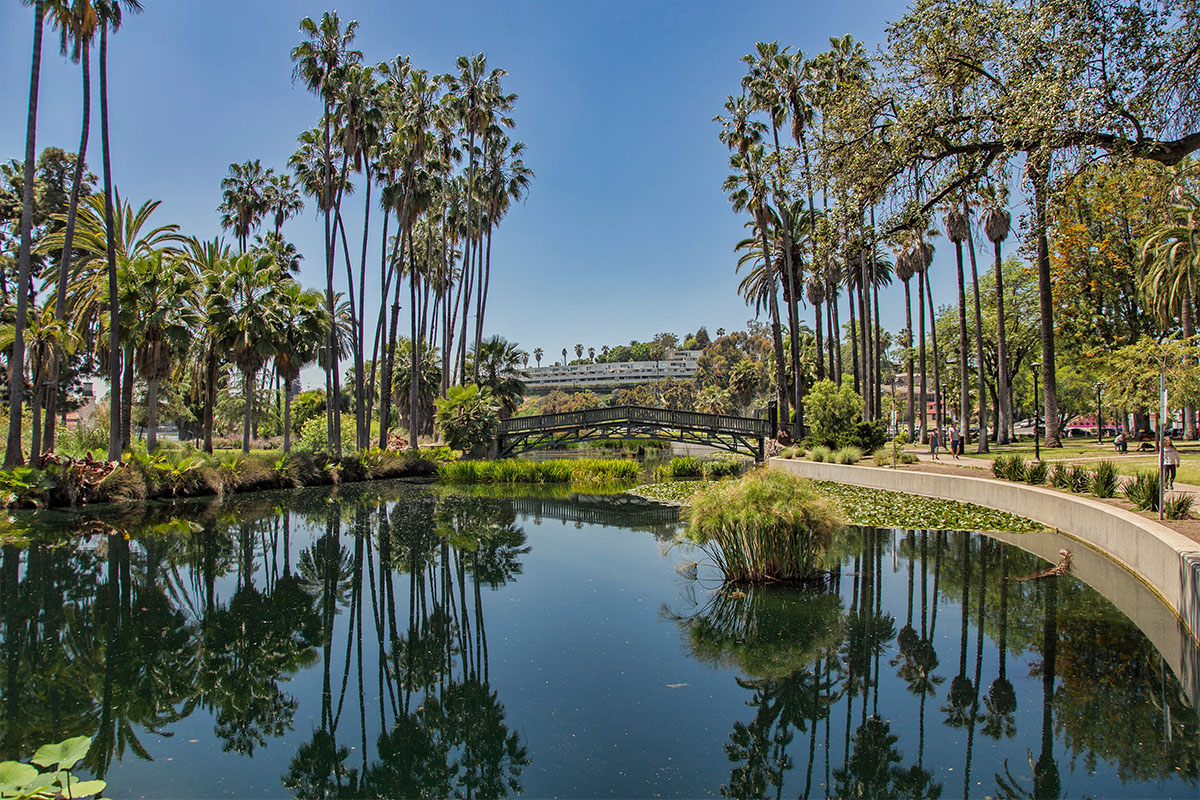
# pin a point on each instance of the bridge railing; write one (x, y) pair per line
(664, 417)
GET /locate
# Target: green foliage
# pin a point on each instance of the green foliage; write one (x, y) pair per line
(1178, 505)
(1079, 478)
(681, 467)
(467, 417)
(767, 526)
(848, 455)
(1142, 491)
(314, 436)
(722, 468)
(832, 413)
(1035, 472)
(1104, 480)
(883, 458)
(1060, 477)
(20, 781)
(517, 471)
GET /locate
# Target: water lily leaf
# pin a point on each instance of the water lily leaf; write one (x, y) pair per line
(15, 775)
(65, 754)
(77, 788)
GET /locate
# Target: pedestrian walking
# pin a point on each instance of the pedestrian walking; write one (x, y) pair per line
(955, 441)
(934, 444)
(1170, 463)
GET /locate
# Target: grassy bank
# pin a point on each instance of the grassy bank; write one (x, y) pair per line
(515, 471)
(188, 473)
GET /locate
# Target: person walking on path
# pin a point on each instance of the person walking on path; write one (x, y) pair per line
(955, 441)
(1170, 462)
(934, 444)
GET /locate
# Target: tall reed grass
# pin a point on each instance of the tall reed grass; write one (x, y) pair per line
(769, 526)
(514, 471)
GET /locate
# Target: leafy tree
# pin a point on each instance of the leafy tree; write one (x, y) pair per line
(467, 417)
(832, 411)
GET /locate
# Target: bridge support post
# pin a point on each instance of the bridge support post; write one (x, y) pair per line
(761, 456)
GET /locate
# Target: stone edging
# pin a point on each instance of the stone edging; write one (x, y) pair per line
(1167, 562)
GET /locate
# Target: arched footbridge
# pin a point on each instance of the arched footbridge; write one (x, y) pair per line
(743, 435)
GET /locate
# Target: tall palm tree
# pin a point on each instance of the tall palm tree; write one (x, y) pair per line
(210, 261)
(905, 269)
(497, 362)
(321, 61)
(958, 228)
(158, 319)
(244, 199)
(247, 319)
(111, 13)
(298, 330)
(997, 222)
(77, 24)
(282, 198)
(13, 454)
(537, 355)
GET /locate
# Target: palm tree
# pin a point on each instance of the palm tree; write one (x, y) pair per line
(958, 228)
(321, 61)
(244, 199)
(299, 326)
(592, 354)
(579, 351)
(210, 261)
(77, 24)
(158, 319)
(111, 13)
(282, 199)
(537, 355)
(564, 354)
(996, 224)
(13, 454)
(905, 269)
(922, 261)
(496, 362)
(247, 310)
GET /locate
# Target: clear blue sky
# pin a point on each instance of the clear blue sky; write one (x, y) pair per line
(625, 231)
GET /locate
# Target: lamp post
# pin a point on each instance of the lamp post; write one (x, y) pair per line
(1099, 415)
(1037, 414)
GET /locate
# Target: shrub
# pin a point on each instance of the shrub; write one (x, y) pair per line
(883, 458)
(682, 467)
(1035, 472)
(1104, 480)
(1079, 478)
(314, 436)
(789, 452)
(767, 526)
(1002, 467)
(1178, 505)
(820, 453)
(1142, 491)
(831, 410)
(848, 455)
(467, 417)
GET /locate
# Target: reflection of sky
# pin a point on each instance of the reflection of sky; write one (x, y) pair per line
(598, 685)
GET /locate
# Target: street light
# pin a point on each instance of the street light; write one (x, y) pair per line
(1099, 415)
(1037, 414)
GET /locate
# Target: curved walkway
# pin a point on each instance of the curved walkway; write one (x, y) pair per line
(1166, 562)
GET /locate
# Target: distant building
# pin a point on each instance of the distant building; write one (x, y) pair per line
(680, 365)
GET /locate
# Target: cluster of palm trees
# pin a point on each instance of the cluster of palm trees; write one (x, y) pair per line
(404, 130)
(399, 127)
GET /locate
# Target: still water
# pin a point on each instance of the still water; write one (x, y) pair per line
(394, 641)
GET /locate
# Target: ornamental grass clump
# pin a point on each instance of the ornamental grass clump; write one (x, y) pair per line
(848, 455)
(1035, 472)
(1178, 505)
(682, 467)
(769, 526)
(1104, 480)
(820, 453)
(1142, 491)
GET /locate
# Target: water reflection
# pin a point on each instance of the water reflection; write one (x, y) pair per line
(345, 639)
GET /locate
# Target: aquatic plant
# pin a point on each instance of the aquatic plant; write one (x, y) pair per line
(25, 782)
(767, 526)
(722, 468)
(515, 471)
(681, 467)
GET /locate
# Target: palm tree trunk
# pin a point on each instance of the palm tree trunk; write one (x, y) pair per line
(364, 421)
(64, 270)
(389, 359)
(921, 353)
(937, 370)
(1189, 330)
(964, 384)
(13, 454)
(818, 311)
(151, 414)
(247, 409)
(1003, 398)
(781, 391)
(982, 446)
(852, 298)
(414, 377)
(912, 416)
(487, 280)
(115, 440)
(1038, 172)
(127, 396)
(287, 421)
(386, 270)
(35, 447)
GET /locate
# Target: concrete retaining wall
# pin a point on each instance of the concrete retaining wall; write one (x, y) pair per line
(1165, 563)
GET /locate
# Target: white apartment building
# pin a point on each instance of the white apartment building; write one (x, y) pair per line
(680, 365)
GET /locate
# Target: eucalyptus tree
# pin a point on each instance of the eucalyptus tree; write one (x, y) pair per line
(244, 200)
(747, 191)
(321, 61)
(298, 329)
(159, 320)
(77, 24)
(246, 317)
(997, 222)
(111, 14)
